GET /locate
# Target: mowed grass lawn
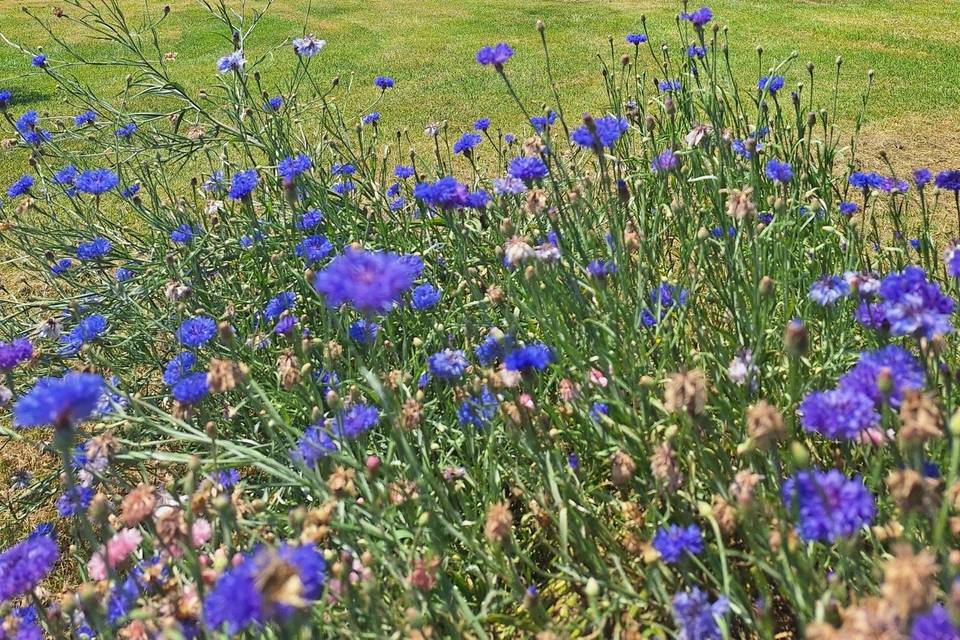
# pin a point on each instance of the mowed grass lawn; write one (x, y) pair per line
(428, 47)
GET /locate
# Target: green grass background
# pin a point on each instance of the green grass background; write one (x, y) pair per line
(428, 47)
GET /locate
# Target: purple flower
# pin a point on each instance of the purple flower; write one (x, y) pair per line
(840, 414)
(25, 564)
(921, 177)
(696, 616)
(700, 17)
(829, 505)
(191, 388)
(87, 117)
(308, 46)
(426, 296)
(383, 82)
(848, 208)
(912, 305)
(313, 249)
(93, 250)
(370, 281)
(363, 331)
(184, 234)
(314, 445)
(481, 124)
(666, 161)
(948, 180)
(39, 60)
(14, 353)
(495, 55)
(20, 187)
(636, 38)
(934, 625)
(897, 363)
(179, 366)
(771, 84)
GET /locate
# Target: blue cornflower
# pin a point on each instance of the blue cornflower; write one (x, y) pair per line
(478, 410)
(536, 356)
(771, 84)
(5, 97)
(694, 51)
(495, 55)
(699, 18)
(527, 169)
(393, 190)
(59, 402)
(313, 248)
(185, 233)
(951, 259)
(828, 289)
(25, 564)
(66, 176)
(39, 60)
(342, 187)
(915, 306)
(243, 184)
(131, 191)
(97, 181)
(839, 414)
(600, 269)
(669, 85)
(231, 62)
(829, 505)
(292, 166)
(14, 353)
(445, 193)
(343, 169)
(848, 208)
(308, 46)
(87, 117)
(425, 296)
(215, 183)
(478, 199)
(403, 172)
(921, 177)
(540, 123)
(674, 541)
(278, 304)
(191, 388)
(310, 219)
(934, 625)
(383, 82)
(696, 616)
(75, 501)
(93, 250)
(466, 143)
(636, 38)
(20, 187)
(240, 598)
(493, 348)
(226, 478)
(123, 596)
(25, 621)
(273, 104)
(314, 445)
(363, 331)
(285, 324)
(179, 366)
(666, 161)
(606, 131)
(481, 124)
(778, 171)
(895, 362)
(26, 126)
(356, 420)
(197, 331)
(371, 118)
(598, 409)
(397, 203)
(371, 281)
(61, 266)
(448, 365)
(87, 330)
(126, 130)
(948, 180)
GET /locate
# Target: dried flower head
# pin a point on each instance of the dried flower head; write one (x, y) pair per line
(686, 391)
(499, 523)
(765, 425)
(622, 468)
(663, 465)
(920, 418)
(910, 581)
